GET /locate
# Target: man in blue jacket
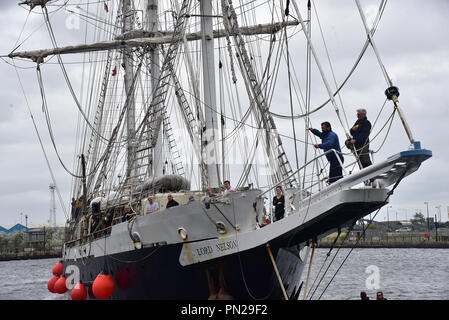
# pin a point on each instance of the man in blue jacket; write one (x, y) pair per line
(360, 137)
(329, 140)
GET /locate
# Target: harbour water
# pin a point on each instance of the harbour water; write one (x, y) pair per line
(402, 274)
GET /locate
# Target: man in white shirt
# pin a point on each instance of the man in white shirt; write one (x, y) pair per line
(227, 186)
(151, 206)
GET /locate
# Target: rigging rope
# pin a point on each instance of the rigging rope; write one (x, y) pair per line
(330, 63)
(42, 147)
(241, 124)
(364, 230)
(50, 130)
(327, 269)
(53, 40)
(359, 58)
(290, 95)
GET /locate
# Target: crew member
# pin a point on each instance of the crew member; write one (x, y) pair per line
(329, 140)
(360, 137)
(151, 206)
(279, 204)
(171, 202)
(227, 185)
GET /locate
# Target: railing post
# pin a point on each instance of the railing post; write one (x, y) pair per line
(339, 161)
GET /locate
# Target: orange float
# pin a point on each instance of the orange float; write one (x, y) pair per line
(103, 286)
(51, 283)
(58, 268)
(79, 292)
(60, 285)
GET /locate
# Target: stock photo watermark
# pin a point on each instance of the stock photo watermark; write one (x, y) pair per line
(73, 21)
(372, 282)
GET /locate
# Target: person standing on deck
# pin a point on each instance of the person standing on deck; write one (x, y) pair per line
(79, 207)
(73, 203)
(171, 202)
(360, 138)
(128, 214)
(151, 206)
(279, 204)
(191, 199)
(209, 193)
(228, 188)
(329, 140)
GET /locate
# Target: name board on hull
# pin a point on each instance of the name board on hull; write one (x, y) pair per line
(206, 250)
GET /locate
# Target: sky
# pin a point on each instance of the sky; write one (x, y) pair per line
(412, 43)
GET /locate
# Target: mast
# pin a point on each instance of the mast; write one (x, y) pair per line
(199, 124)
(128, 25)
(209, 145)
(152, 23)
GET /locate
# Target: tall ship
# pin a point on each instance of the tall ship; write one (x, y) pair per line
(197, 174)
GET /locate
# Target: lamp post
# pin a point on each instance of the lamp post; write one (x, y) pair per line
(26, 230)
(388, 218)
(436, 228)
(428, 220)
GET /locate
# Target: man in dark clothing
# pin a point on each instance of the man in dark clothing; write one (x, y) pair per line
(363, 296)
(171, 202)
(73, 203)
(360, 137)
(330, 141)
(127, 215)
(380, 296)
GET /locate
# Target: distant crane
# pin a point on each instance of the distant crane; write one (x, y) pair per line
(52, 218)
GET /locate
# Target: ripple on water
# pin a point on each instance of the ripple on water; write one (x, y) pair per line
(404, 274)
(407, 274)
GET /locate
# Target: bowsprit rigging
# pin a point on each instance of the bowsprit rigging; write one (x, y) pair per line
(178, 97)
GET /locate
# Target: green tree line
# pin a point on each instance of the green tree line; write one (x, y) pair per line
(16, 242)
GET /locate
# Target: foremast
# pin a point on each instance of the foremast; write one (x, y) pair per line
(128, 62)
(209, 139)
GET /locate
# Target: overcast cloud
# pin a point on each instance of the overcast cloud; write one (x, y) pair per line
(412, 40)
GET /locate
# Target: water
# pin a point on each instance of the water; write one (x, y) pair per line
(402, 274)
(27, 280)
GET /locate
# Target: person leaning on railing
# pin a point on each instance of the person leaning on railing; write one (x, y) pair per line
(151, 206)
(360, 138)
(128, 214)
(329, 140)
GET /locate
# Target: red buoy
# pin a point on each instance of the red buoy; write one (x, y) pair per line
(51, 283)
(103, 286)
(58, 268)
(79, 292)
(124, 279)
(60, 285)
